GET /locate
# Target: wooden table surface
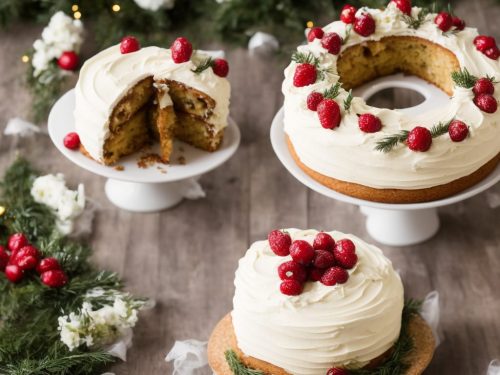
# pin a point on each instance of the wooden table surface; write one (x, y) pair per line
(185, 258)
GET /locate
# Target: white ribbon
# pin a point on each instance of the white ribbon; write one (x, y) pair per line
(119, 348)
(430, 313)
(263, 44)
(18, 126)
(493, 368)
(191, 189)
(188, 356)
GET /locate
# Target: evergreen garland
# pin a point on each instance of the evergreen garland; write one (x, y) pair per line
(29, 338)
(396, 363)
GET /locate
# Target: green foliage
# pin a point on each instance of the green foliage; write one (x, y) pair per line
(386, 144)
(29, 310)
(332, 92)
(237, 367)
(440, 129)
(204, 65)
(463, 78)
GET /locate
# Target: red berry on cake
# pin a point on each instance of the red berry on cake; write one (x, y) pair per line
(483, 86)
(344, 246)
(220, 67)
(313, 99)
(323, 241)
(419, 139)
(323, 259)
(129, 44)
(14, 273)
(72, 141)
(337, 371)
(68, 60)
(348, 14)
(315, 33)
(315, 274)
(291, 287)
(493, 53)
(332, 43)
(346, 260)
(486, 103)
(334, 275)
(484, 42)
(458, 23)
(302, 252)
(4, 258)
(329, 113)
(458, 131)
(181, 50)
(369, 123)
(16, 241)
(280, 242)
(403, 5)
(54, 278)
(444, 21)
(47, 264)
(364, 25)
(305, 74)
(292, 271)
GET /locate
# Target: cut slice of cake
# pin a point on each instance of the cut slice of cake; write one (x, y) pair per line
(126, 100)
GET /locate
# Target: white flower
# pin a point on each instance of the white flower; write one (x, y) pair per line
(67, 204)
(60, 35)
(154, 5)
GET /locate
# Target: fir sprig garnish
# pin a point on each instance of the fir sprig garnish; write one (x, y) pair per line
(30, 343)
(302, 58)
(237, 367)
(332, 92)
(347, 35)
(204, 65)
(388, 143)
(440, 129)
(348, 101)
(416, 22)
(463, 78)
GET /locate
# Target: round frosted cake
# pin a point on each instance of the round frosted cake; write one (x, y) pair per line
(128, 96)
(309, 303)
(386, 155)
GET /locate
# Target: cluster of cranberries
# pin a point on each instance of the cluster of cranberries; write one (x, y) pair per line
(364, 24)
(20, 257)
(327, 108)
(483, 95)
(445, 22)
(487, 45)
(420, 138)
(325, 260)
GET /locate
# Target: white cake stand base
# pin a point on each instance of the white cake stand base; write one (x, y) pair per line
(389, 224)
(137, 189)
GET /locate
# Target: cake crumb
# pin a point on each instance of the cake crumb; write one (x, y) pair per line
(181, 160)
(147, 160)
(119, 168)
(162, 170)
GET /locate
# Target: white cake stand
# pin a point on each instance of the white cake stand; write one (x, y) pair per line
(151, 189)
(389, 224)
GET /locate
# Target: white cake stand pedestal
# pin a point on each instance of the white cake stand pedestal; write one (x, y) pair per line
(389, 224)
(151, 189)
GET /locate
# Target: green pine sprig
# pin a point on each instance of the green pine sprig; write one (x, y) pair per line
(348, 101)
(302, 58)
(204, 65)
(332, 92)
(388, 143)
(463, 78)
(237, 367)
(440, 129)
(416, 22)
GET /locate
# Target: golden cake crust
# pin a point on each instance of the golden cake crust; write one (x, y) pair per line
(224, 338)
(397, 195)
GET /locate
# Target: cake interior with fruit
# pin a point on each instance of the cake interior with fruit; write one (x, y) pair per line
(318, 303)
(128, 97)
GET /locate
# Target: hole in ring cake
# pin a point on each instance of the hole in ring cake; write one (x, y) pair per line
(385, 155)
(124, 101)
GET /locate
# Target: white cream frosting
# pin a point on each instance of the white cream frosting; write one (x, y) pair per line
(348, 154)
(107, 77)
(325, 326)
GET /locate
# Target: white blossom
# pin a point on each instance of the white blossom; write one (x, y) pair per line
(101, 326)
(154, 5)
(60, 35)
(67, 204)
